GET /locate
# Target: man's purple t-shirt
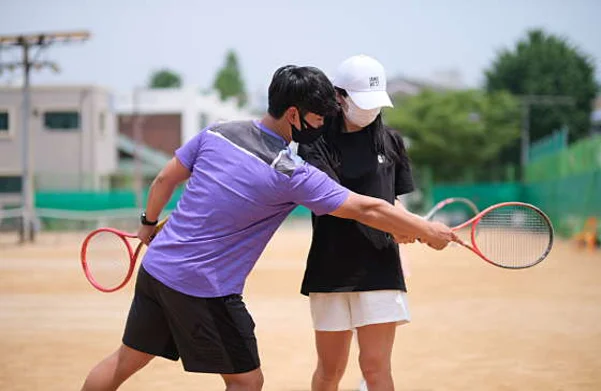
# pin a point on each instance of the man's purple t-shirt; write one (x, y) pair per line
(244, 181)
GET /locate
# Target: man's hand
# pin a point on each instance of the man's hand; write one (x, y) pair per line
(439, 236)
(146, 233)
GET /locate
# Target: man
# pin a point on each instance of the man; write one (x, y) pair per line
(243, 180)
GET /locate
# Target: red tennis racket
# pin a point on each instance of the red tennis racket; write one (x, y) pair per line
(108, 258)
(511, 235)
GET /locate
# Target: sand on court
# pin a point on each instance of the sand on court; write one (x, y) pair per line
(474, 326)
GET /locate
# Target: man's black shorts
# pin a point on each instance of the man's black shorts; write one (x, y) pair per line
(211, 335)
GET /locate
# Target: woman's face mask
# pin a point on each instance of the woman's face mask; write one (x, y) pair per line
(357, 115)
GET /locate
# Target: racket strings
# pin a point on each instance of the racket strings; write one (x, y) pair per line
(453, 213)
(107, 259)
(464, 234)
(514, 236)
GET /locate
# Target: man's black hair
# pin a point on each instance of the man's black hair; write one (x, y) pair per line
(306, 88)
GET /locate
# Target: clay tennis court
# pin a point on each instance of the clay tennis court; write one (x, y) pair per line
(475, 326)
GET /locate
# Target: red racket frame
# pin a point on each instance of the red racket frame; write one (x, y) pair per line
(133, 256)
(476, 219)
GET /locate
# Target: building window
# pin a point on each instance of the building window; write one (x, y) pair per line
(10, 184)
(61, 120)
(4, 123)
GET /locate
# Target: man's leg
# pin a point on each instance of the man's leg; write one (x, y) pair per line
(249, 381)
(332, 357)
(146, 330)
(111, 372)
(375, 351)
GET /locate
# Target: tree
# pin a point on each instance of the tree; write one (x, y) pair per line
(229, 81)
(545, 64)
(457, 132)
(164, 78)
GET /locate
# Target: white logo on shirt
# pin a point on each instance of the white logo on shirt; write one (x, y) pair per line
(381, 159)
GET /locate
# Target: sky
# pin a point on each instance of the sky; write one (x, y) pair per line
(417, 38)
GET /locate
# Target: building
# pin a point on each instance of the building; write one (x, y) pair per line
(162, 120)
(167, 118)
(72, 138)
(82, 137)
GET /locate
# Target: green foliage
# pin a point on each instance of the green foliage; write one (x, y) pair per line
(456, 132)
(228, 80)
(164, 78)
(545, 64)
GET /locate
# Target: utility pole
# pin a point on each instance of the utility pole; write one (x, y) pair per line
(536, 100)
(27, 42)
(137, 130)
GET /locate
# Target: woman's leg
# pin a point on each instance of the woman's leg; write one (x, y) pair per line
(375, 351)
(332, 323)
(332, 357)
(376, 315)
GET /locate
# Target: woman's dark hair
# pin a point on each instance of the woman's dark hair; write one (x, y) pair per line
(306, 88)
(379, 139)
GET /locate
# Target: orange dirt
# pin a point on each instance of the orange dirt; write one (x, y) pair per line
(475, 327)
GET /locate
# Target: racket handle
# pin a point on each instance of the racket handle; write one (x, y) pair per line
(462, 243)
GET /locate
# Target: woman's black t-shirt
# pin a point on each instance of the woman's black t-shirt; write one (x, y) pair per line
(345, 255)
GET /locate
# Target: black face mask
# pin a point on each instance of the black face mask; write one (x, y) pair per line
(307, 133)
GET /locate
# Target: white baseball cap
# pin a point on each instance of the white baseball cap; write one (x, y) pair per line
(365, 81)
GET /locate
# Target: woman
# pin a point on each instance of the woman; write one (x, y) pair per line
(354, 277)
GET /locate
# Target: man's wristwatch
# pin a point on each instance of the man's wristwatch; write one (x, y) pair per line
(144, 221)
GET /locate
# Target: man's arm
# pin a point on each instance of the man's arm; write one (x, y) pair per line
(404, 239)
(398, 221)
(315, 190)
(161, 190)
